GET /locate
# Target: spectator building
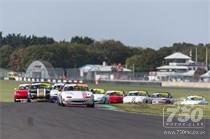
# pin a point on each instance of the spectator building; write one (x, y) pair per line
(179, 67)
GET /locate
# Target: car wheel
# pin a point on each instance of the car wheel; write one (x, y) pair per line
(61, 103)
(106, 101)
(15, 100)
(55, 100)
(91, 105)
(150, 101)
(58, 102)
(51, 100)
(29, 100)
(146, 101)
(168, 102)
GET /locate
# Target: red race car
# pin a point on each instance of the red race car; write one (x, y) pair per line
(112, 97)
(21, 93)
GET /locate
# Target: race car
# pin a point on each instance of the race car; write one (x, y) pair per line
(56, 88)
(12, 75)
(113, 96)
(98, 93)
(76, 94)
(39, 92)
(162, 98)
(21, 94)
(137, 97)
(194, 100)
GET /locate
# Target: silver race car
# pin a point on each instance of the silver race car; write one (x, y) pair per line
(162, 98)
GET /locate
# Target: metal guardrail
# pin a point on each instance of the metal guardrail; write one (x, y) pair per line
(136, 82)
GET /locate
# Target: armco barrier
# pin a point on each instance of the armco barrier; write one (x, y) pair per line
(126, 82)
(187, 84)
(44, 80)
(135, 82)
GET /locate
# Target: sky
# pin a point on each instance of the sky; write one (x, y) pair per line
(145, 23)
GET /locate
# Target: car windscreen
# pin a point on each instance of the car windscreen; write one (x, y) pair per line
(57, 87)
(164, 95)
(196, 98)
(23, 87)
(142, 93)
(133, 94)
(40, 86)
(98, 91)
(75, 88)
(116, 94)
(34, 87)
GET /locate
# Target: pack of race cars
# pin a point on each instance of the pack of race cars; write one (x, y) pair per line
(65, 94)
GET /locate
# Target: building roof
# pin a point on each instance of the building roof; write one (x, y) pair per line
(177, 55)
(39, 62)
(102, 68)
(171, 67)
(206, 75)
(189, 73)
(41, 66)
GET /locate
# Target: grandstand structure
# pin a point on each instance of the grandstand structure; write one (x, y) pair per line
(180, 67)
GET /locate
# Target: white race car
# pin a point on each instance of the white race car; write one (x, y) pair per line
(136, 97)
(56, 88)
(76, 94)
(194, 100)
(98, 94)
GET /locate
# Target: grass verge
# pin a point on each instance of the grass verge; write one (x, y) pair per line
(154, 109)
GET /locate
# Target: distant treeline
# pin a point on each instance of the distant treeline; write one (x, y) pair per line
(18, 51)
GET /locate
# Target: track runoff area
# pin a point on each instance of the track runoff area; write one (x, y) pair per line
(40, 120)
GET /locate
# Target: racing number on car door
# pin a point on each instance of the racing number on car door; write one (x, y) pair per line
(41, 93)
(133, 100)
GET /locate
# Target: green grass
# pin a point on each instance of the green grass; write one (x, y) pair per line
(7, 91)
(154, 109)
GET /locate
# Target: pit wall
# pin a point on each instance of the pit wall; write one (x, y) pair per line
(187, 84)
(133, 82)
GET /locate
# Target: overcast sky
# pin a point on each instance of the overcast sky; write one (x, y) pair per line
(147, 23)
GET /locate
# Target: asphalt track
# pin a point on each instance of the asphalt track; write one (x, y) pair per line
(49, 121)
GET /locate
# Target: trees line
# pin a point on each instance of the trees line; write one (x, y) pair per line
(18, 51)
